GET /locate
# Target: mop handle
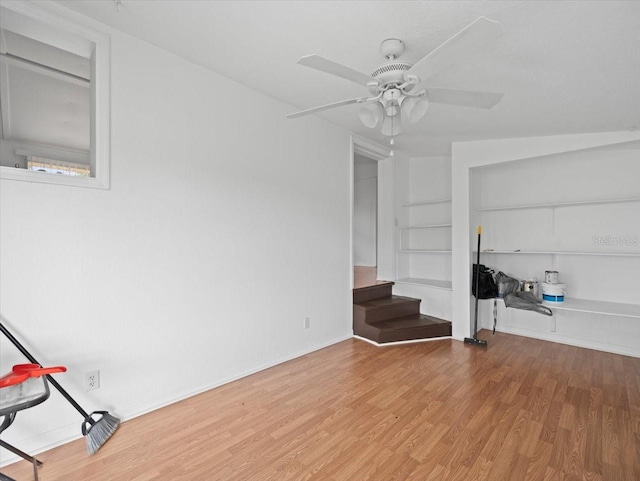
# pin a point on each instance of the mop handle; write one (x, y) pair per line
(50, 378)
(477, 279)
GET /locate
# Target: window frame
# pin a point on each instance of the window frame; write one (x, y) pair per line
(100, 96)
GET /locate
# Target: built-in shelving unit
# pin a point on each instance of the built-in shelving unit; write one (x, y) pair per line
(562, 253)
(424, 251)
(423, 233)
(432, 226)
(596, 307)
(590, 306)
(427, 202)
(434, 283)
(531, 224)
(553, 205)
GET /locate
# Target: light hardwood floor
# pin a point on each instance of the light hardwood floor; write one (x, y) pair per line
(521, 409)
(365, 276)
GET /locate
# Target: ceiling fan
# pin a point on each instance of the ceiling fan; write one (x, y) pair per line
(398, 88)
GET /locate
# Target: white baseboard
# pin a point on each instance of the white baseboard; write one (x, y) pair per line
(158, 405)
(398, 343)
(570, 341)
(65, 434)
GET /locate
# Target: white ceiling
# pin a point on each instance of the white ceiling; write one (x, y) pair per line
(564, 66)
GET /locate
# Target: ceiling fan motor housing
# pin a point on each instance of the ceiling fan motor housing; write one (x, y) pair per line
(391, 72)
(397, 85)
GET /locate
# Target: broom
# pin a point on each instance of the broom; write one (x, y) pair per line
(474, 340)
(96, 431)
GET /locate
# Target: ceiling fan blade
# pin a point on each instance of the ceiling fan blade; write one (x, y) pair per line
(461, 46)
(326, 107)
(479, 100)
(339, 70)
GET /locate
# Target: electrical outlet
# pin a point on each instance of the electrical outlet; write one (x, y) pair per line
(92, 380)
(307, 323)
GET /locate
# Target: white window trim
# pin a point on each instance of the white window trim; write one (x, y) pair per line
(100, 112)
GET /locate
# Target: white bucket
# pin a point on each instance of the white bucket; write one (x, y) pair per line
(553, 292)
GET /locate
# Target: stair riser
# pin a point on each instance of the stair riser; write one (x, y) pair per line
(372, 292)
(391, 312)
(413, 334)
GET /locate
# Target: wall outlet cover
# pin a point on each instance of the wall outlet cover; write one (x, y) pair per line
(92, 380)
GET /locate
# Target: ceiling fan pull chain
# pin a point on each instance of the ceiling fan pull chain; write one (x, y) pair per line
(392, 142)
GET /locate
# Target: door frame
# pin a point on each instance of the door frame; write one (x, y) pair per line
(378, 153)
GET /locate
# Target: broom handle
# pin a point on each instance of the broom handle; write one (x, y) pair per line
(475, 322)
(28, 355)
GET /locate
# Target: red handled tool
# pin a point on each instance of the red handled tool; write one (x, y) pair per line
(22, 372)
(95, 431)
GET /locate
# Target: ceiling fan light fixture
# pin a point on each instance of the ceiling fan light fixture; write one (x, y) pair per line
(414, 108)
(396, 87)
(392, 110)
(370, 114)
(391, 126)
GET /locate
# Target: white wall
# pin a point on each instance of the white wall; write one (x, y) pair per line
(225, 225)
(386, 217)
(365, 211)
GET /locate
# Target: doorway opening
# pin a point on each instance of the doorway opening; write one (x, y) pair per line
(365, 220)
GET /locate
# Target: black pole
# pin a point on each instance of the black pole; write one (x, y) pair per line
(475, 323)
(474, 340)
(50, 378)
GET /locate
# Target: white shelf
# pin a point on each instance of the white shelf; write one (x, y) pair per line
(562, 253)
(558, 204)
(423, 251)
(430, 226)
(595, 307)
(429, 202)
(437, 284)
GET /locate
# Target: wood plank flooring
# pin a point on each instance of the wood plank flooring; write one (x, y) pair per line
(521, 409)
(364, 276)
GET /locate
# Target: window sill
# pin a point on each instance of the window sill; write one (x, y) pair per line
(12, 173)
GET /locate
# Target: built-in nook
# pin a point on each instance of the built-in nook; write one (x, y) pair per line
(564, 203)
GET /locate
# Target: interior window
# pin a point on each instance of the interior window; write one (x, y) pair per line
(53, 99)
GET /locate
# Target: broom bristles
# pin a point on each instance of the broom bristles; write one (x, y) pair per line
(100, 432)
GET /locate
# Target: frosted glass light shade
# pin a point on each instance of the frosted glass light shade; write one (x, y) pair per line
(391, 126)
(414, 108)
(370, 114)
